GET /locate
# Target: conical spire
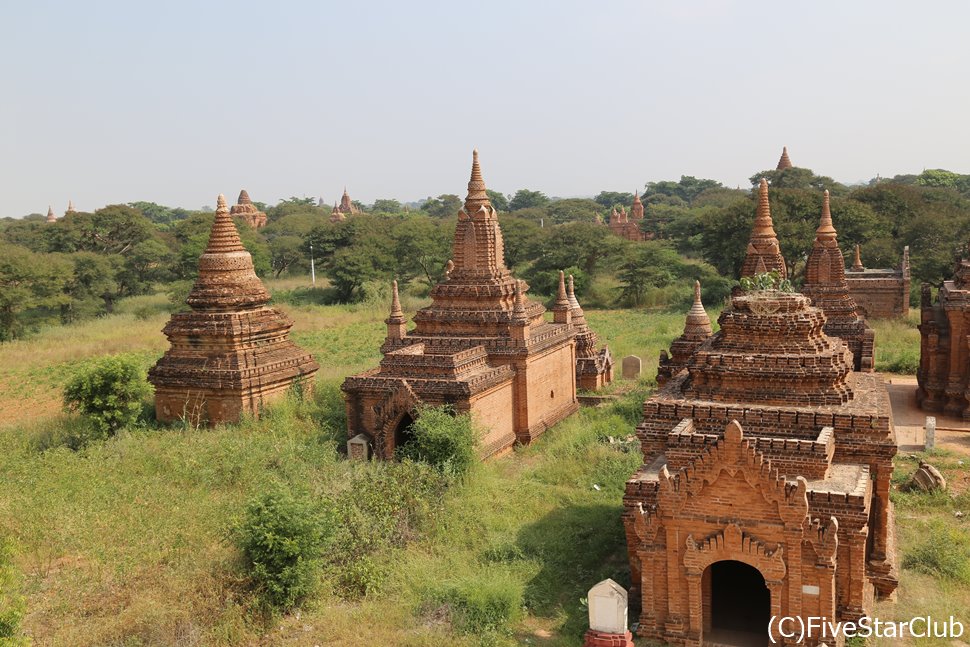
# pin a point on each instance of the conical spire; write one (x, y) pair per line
(70, 207)
(477, 198)
(224, 238)
(244, 198)
(561, 296)
(561, 310)
(825, 229)
(50, 214)
(227, 280)
(579, 317)
(397, 315)
(763, 225)
(784, 161)
(857, 265)
(698, 323)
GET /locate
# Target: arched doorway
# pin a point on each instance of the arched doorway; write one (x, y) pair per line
(402, 432)
(737, 605)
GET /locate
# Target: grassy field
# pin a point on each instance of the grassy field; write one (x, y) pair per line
(128, 541)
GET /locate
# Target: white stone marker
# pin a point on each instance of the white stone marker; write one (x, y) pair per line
(607, 608)
(930, 437)
(631, 367)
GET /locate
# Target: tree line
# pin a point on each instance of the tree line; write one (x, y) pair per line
(82, 264)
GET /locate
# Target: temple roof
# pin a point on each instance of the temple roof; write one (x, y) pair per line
(227, 280)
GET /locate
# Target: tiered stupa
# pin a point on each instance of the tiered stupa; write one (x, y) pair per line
(481, 347)
(764, 253)
(697, 329)
(245, 209)
(783, 162)
(764, 489)
(50, 214)
(594, 366)
(70, 207)
(347, 206)
(944, 362)
(230, 354)
(825, 284)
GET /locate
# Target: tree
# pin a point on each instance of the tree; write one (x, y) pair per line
(387, 206)
(285, 252)
(688, 188)
(114, 229)
(524, 198)
(499, 201)
(610, 199)
(444, 206)
(92, 287)
(31, 285)
(523, 239)
(421, 248)
(573, 210)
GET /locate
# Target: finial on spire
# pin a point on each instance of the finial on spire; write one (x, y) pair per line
(697, 323)
(518, 311)
(763, 226)
(477, 198)
(221, 204)
(825, 228)
(697, 291)
(395, 301)
(572, 288)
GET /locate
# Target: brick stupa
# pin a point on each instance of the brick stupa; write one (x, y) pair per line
(764, 252)
(230, 354)
(825, 284)
(944, 362)
(764, 488)
(481, 346)
(247, 211)
(784, 162)
(628, 225)
(697, 328)
(50, 214)
(594, 366)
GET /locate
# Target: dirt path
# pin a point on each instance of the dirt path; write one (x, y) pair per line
(951, 433)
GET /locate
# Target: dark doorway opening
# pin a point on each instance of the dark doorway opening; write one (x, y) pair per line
(740, 605)
(402, 433)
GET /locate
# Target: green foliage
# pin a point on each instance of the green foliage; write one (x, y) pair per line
(441, 439)
(943, 551)
(31, 285)
(687, 189)
(387, 206)
(282, 539)
(525, 199)
(655, 266)
(490, 602)
(12, 605)
(108, 391)
(444, 206)
(610, 199)
(766, 281)
(499, 202)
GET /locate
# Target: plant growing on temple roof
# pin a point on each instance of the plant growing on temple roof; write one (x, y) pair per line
(766, 281)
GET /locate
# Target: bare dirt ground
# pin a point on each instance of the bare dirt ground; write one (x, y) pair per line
(951, 433)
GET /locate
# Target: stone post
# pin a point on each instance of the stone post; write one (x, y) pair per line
(631, 367)
(930, 437)
(608, 616)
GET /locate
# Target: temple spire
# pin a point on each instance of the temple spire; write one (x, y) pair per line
(397, 315)
(784, 162)
(50, 214)
(579, 317)
(70, 207)
(825, 229)
(763, 253)
(244, 198)
(763, 225)
(857, 265)
(519, 314)
(224, 238)
(477, 198)
(698, 323)
(561, 311)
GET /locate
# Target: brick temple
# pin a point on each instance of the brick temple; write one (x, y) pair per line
(826, 286)
(697, 328)
(245, 210)
(481, 347)
(230, 354)
(628, 225)
(764, 488)
(880, 293)
(944, 361)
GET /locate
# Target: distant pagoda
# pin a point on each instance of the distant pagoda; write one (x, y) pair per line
(230, 353)
(245, 209)
(50, 214)
(763, 253)
(784, 162)
(70, 207)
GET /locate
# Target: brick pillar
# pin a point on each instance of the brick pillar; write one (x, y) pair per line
(608, 616)
(595, 638)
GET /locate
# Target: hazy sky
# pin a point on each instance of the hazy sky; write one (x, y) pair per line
(175, 102)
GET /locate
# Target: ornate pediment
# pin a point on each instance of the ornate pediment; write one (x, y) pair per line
(734, 544)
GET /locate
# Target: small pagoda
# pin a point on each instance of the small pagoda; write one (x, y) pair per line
(50, 214)
(784, 162)
(697, 328)
(230, 354)
(481, 347)
(247, 211)
(627, 225)
(825, 284)
(594, 366)
(763, 253)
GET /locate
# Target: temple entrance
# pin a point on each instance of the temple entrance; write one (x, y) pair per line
(402, 433)
(737, 605)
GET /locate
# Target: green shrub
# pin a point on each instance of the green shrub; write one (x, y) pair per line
(282, 539)
(766, 281)
(441, 439)
(108, 391)
(942, 551)
(489, 602)
(11, 604)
